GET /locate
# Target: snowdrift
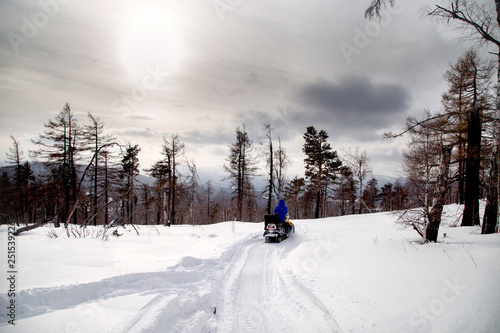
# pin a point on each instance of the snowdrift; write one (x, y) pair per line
(347, 274)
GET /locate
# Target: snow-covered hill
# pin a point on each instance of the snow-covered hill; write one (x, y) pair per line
(346, 274)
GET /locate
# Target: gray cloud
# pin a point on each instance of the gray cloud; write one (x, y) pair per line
(205, 137)
(355, 103)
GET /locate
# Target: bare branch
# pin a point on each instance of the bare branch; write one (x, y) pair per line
(375, 8)
(472, 16)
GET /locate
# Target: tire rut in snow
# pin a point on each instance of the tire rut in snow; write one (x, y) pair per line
(258, 296)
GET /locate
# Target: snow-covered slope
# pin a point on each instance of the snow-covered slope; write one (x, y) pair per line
(347, 274)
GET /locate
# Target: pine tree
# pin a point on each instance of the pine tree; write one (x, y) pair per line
(160, 171)
(129, 171)
(20, 179)
(322, 163)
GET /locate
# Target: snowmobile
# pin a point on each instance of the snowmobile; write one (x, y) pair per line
(275, 230)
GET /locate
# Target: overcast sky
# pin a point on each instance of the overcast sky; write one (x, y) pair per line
(201, 68)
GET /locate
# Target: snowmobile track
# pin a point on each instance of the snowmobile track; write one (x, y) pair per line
(260, 296)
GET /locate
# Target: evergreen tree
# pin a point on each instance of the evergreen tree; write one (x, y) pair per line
(387, 195)
(160, 171)
(346, 192)
(322, 163)
(129, 171)
(370, 194)
(7, 213)
(21, 177)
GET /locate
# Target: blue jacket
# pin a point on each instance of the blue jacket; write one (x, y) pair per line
(281, 210)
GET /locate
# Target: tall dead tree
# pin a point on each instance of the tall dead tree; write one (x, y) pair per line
(241, 168)
(280, 166)
(96, 139)
(268, 142)
(60, 146)
(439, 200)
(172, 151)
(360, 166)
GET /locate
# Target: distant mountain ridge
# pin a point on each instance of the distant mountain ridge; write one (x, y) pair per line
(383, 179)
(39, 168)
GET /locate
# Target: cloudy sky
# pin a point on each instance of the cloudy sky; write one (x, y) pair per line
(201, 68)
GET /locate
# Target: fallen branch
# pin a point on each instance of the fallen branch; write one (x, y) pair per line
(31, 227)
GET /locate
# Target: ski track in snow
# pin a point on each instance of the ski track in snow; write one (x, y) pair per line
(247, 286)
(179, 297)
(258, 296)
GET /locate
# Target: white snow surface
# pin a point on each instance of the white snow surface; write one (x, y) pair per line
(358, 273)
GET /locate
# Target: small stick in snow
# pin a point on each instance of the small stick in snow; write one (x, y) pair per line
(411, 244)
(471, 257)
(402, 241)
(447, 254)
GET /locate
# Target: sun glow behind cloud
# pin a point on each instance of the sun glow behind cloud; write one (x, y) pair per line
(151, 38)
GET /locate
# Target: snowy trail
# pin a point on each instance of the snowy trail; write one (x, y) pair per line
(258, 295)
(247, 285)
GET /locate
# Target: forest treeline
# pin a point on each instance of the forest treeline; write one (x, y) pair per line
(90, 177)
(84, 176)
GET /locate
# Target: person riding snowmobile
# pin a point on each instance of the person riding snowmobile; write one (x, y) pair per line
(282, 210)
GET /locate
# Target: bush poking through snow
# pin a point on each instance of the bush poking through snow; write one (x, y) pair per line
(73, 231)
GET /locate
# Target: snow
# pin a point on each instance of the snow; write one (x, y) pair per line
(358, 273)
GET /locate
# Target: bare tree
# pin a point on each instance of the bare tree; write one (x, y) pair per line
(360, 166)
(426, 165)
(282, 161)
(480, 22)
(268, 142)
(294, 191)
(172, 151)
(96, 140)
(376, 7)
(241, 168)
(442, 185)
(60, 146)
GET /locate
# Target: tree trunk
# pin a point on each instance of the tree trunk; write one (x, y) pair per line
(473, 166)
(271, 180)
(432, 228)
(31, 227)
(490, 220)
